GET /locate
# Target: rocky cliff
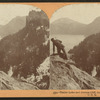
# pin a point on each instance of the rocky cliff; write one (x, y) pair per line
(22, 53)
(64, 75)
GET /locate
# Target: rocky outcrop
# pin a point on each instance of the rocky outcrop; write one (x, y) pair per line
(9, 83)
(66, 76)
(24, 51)
(43, 71)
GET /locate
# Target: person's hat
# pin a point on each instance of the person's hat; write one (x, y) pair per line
(52, 39)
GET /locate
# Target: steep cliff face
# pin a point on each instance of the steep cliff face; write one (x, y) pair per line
(65, 75)
(23, 52)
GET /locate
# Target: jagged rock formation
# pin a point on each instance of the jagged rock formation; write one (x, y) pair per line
(65, 75)
(25, 50)
(9, 83)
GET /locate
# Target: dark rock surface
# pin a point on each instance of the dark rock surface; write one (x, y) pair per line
(65, 75)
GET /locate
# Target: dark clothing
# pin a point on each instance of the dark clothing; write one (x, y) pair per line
(60, 48)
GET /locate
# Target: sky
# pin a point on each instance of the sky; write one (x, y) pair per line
(84, 13)
(9, 11)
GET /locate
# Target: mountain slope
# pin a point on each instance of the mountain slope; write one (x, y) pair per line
(13, 26)
(65, 75)
(92, 28)
(66, 26)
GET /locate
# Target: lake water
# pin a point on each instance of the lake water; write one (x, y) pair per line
(69, 41)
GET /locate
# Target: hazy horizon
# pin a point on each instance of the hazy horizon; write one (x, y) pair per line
(83, 13)
(10, 11)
